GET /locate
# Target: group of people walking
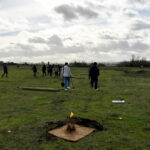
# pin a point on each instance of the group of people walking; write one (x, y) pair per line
(64, 71)
(59, 71)
(93, 76)
(48, 70)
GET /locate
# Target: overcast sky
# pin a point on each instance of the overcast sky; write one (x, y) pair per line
(74, 30)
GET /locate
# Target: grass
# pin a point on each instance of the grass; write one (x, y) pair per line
(25, 113)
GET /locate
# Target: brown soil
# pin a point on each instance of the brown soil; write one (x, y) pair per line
(80, 121)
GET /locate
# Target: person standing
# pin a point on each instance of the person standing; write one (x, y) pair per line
(51, 70)
(5, 70)
(59, 70)
(93, 75)
(66, 74)
(56, 69)
(48, 69)
(44, 70)
(34, 70)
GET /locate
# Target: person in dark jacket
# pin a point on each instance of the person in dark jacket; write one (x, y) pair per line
(51, 70)
(56, 69)
(59, 68)
(48, 69)
(44, 70)
(93, 75)
(34, 70)
(5, 70)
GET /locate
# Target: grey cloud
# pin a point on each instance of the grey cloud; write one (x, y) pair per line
(139, 46)
(140, 25)
(108, 37)
(113, 45)
(9, 33)
(130, 13)
(7, 4)
(22, 50)
(39, 19)
(132, 36)
(72, 12)
(120, 49)
(37, 40)
(73, 49)
(136, 1)
(67, 11)
(86, 12)
(18, 50)
(99, 6)
(122, 46)
(68, 38)
(65, 50)
(90, 43)
(112, 37)
(55, 40)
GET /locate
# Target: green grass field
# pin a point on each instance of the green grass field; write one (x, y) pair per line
(25, 113)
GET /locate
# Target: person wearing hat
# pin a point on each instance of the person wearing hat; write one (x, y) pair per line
(93, 75)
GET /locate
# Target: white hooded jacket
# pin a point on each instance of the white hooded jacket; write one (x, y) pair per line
(66, 71)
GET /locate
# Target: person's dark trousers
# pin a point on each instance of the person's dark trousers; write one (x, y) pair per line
(34, 74)
(56, 74)
(59, 74)
(44, 73)
(5, 73)
(50, 73)
(94, 81)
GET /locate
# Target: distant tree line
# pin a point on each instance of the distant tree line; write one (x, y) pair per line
(135, 62)
(73, 64)
(8, 63)
(83, 64)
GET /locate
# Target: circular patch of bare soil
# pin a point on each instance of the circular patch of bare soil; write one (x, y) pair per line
(78, 120)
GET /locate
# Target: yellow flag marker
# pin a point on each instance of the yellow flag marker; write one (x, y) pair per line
(71, 114)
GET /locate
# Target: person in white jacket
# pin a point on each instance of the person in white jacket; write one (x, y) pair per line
(66, 74)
